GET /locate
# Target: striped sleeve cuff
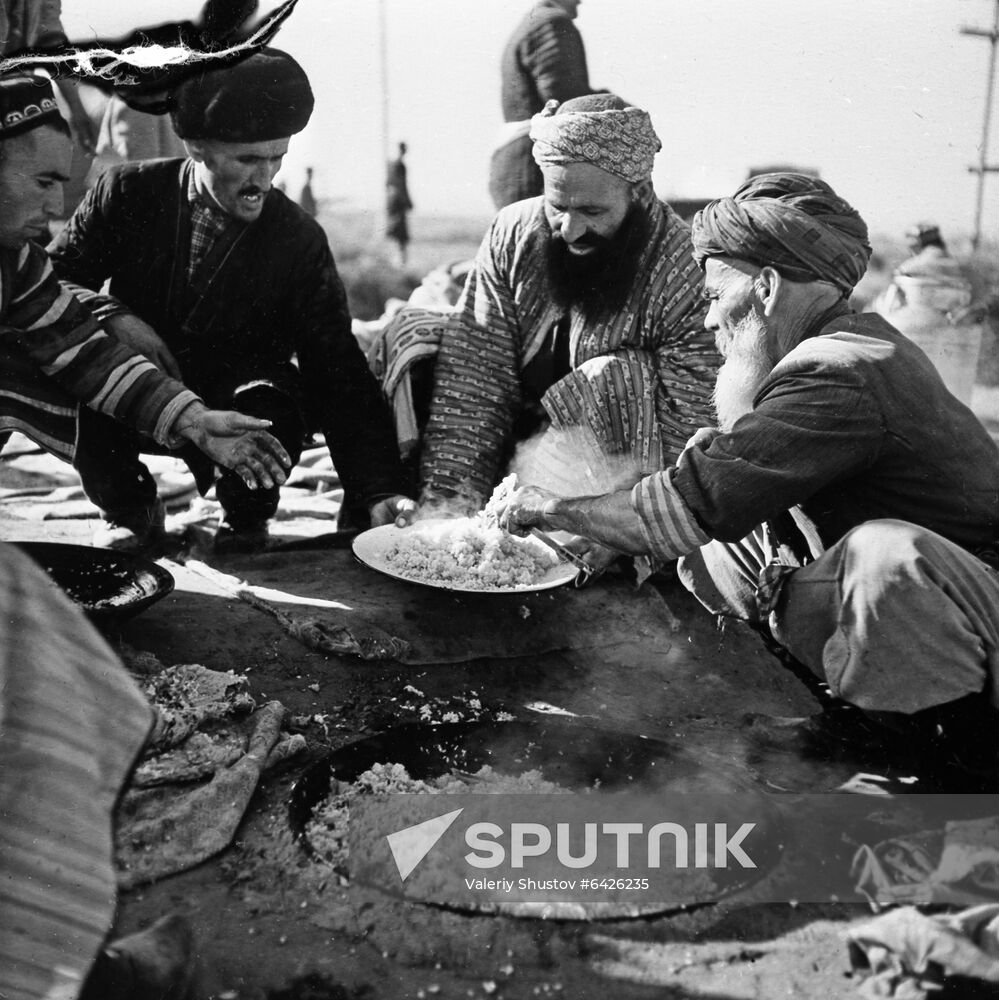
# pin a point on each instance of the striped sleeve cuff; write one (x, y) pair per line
(163, 432)
(668, 524)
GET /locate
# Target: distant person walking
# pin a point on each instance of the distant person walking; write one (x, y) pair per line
(398, 204)
(544, 60)
(306, 199)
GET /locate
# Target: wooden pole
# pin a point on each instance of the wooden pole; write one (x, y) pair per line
(383, 67)
(983, 166)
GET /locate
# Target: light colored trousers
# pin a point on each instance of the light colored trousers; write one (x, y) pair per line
(894, 617)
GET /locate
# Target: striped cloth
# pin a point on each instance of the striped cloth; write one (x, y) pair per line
(411, 336)
(54, 356)
(664, 365)
(72, 722)
(668, 524)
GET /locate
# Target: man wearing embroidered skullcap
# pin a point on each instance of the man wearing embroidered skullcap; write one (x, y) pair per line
(72, 719)
(59, 367)
(232, 285)
(582, 311)
(846, 504)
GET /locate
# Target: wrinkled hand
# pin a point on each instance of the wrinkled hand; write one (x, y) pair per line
(598, 557)
(398, 509)
(524, 509)
(237, 442)
(141, 337)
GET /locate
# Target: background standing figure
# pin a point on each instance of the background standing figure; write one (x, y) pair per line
(931, 276)
(398, 204)
(544, 60)
(307, 200)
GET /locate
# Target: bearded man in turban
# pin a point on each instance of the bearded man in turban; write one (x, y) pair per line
(846, 502)
(227, 281)
(583, 309)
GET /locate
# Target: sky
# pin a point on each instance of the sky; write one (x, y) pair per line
(886, 98)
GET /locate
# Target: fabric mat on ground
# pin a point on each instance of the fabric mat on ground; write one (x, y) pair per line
(35, 486)
(442, 626)
(956, 865)
(907, 955)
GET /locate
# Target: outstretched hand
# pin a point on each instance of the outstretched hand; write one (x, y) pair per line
(238, 442)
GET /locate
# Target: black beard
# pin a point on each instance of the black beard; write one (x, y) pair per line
(601, 282)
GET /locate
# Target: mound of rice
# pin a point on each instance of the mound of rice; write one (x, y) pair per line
(473, 553)
(467, 553)
(327, 830)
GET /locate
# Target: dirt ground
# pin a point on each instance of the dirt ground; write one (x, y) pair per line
(269, 925)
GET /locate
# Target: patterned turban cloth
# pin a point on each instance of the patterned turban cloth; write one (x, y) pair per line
(622, 142)
(793, 222)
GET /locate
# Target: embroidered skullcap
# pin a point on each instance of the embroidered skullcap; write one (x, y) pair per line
(27, 102)
(600, 129)
(793, 222)
(265, 96)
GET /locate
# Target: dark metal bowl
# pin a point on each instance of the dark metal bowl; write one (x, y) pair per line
(109, 586)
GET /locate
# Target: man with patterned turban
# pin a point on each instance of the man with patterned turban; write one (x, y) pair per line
(847, 502)
(582, 310)
(59, 367)
(233, 286)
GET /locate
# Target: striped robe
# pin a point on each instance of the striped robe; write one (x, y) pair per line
(72, 722)
(642, 379)
(54, 356)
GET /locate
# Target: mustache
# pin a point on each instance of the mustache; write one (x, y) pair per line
(252, 189)
(586, 240)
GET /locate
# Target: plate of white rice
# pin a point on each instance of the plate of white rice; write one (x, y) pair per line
(464, 553)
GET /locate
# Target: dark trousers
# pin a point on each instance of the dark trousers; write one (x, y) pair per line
(513, 174)
(116, 480)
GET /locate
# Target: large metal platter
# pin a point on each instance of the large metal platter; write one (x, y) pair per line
(371, 547)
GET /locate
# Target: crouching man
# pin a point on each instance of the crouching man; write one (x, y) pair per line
(56, 361)
(847, 501)
(234, 287)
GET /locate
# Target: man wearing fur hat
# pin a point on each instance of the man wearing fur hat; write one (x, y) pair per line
(59, 367)
(234, 287)
(583, 309)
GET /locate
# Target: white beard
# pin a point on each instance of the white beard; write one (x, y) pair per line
(747, 365)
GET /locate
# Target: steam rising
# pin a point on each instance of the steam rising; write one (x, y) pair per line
(571, 463)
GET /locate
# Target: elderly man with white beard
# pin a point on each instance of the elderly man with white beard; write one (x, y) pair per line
(847, 503)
